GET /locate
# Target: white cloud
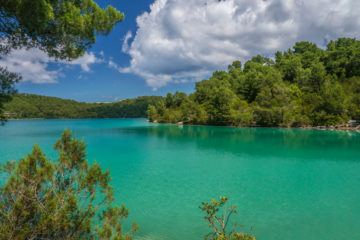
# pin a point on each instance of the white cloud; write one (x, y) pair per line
(189, 39)
(112, 64)
(33, 65)
(125, 46)
(85, 61)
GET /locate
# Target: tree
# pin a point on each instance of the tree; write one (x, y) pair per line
(343, 58)
(218, 105)
(289, 66)
(304, 86)
(152, 113)
(179, 98)
(169, 100)
(64, 29)
(175, 100)
(193, 112)
(7, 90)
(44, 199)
(235, 64)
(241, 113)
(219, 224)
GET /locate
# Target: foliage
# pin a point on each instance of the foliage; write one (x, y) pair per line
(304, 86)
(7, 90)
(36, 106)
(64, 29)
(44, 199)
(219, 224)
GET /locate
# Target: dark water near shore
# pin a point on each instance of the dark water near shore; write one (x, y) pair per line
(287, 183)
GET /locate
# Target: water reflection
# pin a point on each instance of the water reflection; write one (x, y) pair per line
(288, 143)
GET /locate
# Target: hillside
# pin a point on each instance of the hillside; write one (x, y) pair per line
(36, 106)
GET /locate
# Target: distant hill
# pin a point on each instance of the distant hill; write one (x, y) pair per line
(36, 106)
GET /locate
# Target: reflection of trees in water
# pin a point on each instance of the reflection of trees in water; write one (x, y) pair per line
(262, 142)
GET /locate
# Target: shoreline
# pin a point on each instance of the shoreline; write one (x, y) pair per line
(339, 128)
(331, 128)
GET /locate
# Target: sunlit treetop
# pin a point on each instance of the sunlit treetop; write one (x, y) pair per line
(62, 28)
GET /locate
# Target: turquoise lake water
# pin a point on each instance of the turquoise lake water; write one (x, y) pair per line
(288, 184)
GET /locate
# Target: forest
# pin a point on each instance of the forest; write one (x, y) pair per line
(25, 106)
(303, 86)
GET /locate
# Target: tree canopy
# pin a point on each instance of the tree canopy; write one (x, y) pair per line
(64, 29)
(7, 90)
(59, 199)
(302, 86)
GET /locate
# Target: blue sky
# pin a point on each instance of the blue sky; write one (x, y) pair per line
(167, 45)
(103, 83)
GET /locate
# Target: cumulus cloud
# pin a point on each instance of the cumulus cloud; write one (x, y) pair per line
(187, 40)
(33, 65)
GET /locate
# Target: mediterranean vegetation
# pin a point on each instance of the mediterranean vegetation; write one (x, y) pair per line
(59, 199)
(62, 29)
(66, 198)
(25, 106)
(70, 198)
(303, 86)
(220, 223)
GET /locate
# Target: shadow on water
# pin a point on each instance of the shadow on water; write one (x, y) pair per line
(251, 143)
(257, 142)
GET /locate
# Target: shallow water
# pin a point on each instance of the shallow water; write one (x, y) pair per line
(287, 183)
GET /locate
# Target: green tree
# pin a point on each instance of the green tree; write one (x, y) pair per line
(64, 29)
(175, 100)
(351, 89)
(289, 65)
(343, 57)
(219, 224)
(304, 86)
(169, 100)
(219, 105)
(44, 199)
(316, 78)
(193, 113)
(235, 65)
(332, 107)
(152, 113)
(7, 90)
(179, 98)
(241, 113)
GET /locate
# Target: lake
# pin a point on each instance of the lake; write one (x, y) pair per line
(288, 184)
